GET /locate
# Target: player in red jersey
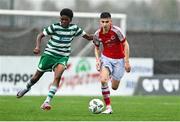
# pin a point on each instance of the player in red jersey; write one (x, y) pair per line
(114, 58)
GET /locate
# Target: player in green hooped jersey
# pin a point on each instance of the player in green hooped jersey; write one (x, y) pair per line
(56, 53)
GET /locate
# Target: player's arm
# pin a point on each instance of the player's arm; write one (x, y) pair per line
(97, 53)
(81, 32)
(88, 37)
(38, 43)
(97, 50)
(126, 58)
(46, 31)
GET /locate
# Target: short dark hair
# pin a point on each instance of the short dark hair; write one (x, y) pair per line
(105, 15)
(68, 12)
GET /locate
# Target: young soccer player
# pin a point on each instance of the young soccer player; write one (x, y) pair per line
(114, 58)
(56, 53)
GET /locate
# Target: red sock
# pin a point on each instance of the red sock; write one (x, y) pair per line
(106, 95)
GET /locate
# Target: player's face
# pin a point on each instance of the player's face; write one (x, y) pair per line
(105, 23)
(65, 20)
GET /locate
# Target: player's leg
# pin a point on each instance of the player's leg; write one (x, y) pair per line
(30, 83)
(34, 79)
(58, 71)
(115, 84)
(104, 76)
(116, 74)
(105, 72)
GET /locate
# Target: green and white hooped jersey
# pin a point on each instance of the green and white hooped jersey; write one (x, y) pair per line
(60, 41)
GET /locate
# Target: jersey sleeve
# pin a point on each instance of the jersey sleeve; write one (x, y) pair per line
(96, 40)
(119, 33)
(49, 30)
(80, 32)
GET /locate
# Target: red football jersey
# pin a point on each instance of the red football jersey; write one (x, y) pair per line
(112, 42)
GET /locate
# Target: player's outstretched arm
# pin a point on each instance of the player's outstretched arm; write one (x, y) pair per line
(88, 37)
(38, 43)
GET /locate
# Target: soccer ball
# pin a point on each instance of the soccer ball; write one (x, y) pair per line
(96, 106)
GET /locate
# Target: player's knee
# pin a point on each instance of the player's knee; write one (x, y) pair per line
(114, 87)
(104, 80)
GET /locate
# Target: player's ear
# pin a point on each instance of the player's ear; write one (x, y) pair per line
(110, 21)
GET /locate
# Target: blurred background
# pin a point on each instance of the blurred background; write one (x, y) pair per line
(152, 30)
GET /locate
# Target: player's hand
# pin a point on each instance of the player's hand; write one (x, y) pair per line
(98, 65)
(127, 67)
(36, 51)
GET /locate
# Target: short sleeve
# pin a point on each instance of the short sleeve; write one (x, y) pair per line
(49, 30)
(80, 32)
(119, 33)
(96, 40)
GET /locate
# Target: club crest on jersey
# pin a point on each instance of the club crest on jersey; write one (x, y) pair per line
(113, 37)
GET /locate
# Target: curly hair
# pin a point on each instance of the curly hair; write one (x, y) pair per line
(68, 12)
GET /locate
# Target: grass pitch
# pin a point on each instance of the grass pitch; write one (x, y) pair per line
(75, 108)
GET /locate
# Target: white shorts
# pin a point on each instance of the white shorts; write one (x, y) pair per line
(115, 66)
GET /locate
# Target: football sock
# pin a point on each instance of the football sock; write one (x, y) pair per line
(29, 84)
(51, 93)
(106, 94)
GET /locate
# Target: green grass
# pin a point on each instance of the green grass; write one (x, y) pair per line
(69, 108)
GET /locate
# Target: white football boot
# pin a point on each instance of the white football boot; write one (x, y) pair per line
(108, 110)
(22, 92)
(46, 106)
